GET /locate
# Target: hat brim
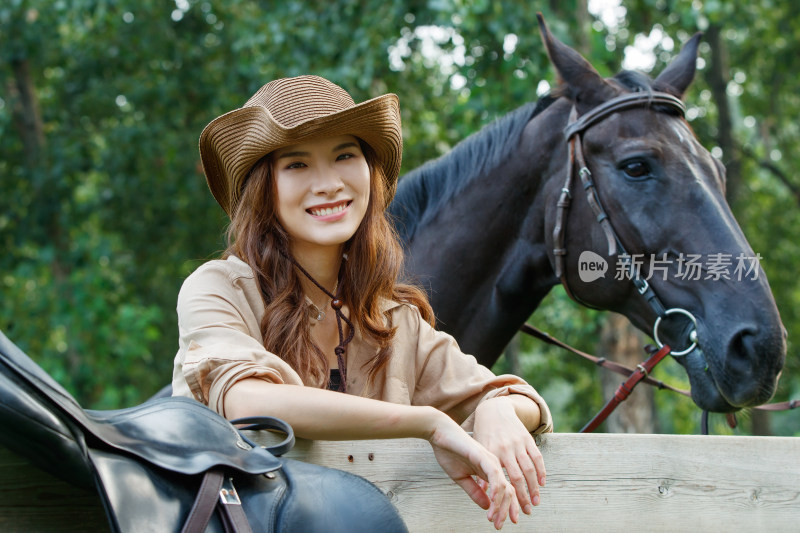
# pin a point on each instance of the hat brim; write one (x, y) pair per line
(232, 143)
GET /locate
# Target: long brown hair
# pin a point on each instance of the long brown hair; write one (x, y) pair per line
(370, 275)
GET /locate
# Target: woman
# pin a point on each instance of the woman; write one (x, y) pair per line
(305, 304)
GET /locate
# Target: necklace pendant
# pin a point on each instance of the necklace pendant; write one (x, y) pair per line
(320, 314)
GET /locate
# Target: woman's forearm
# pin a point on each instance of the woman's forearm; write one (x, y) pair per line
(327, 415)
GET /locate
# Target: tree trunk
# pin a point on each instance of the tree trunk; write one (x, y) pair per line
(760, 423)
(25, 110)
(718, 76)
(621, 342)
(27, 118)
(584, 27)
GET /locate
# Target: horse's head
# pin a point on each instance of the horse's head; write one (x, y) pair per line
(664, 195)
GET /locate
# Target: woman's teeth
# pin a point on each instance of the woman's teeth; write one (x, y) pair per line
(327, 210)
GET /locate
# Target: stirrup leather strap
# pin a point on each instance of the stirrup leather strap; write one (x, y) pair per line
(216, 490)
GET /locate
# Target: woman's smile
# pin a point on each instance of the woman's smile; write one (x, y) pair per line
(329, 212)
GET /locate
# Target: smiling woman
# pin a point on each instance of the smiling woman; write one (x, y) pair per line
(322, 189)
(306, 174)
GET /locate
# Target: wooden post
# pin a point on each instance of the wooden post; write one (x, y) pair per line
(622, 342)
(595, 482)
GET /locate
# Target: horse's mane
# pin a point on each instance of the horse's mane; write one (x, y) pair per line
(638, 82)
(424, 189)
(631, 80)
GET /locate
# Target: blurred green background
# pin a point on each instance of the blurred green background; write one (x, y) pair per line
(104, 209)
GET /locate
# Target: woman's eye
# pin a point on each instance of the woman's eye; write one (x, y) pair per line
(342, 157)
(636, 169)
(296, 164)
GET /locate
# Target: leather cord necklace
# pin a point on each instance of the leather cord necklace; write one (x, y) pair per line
(320, 316)
(336, 304)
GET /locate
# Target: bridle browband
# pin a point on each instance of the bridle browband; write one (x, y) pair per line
(573, 134)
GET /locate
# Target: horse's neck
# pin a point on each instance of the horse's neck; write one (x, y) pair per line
(482, 255)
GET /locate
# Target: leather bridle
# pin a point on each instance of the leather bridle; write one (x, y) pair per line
(573, 134)
(574, 137)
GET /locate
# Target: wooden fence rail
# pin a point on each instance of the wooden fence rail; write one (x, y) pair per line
(595, 482)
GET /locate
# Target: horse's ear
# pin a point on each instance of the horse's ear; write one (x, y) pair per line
(586, 87)
(679, 74)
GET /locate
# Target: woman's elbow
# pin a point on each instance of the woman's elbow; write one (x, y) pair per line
(248, 397)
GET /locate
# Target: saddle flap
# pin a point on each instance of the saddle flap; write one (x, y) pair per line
(179, 434)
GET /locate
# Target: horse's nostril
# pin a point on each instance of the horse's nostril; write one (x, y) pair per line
(744, 344)
(745, 339)
(744, 381)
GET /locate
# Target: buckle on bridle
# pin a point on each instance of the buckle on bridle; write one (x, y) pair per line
(692, 334)
(643, 287)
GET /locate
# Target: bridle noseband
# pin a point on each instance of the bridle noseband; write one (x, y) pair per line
(574, 137)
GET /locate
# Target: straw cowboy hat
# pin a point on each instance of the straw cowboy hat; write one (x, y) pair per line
(290, 111)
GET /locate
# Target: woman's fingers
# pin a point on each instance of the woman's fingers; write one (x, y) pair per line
(478, 470)
(521, 477)
(475, 491)
(532, 465)
(513, 508)
(462, 457)
(499, 427)
(538, 462)
(525, 468)
(501, 494)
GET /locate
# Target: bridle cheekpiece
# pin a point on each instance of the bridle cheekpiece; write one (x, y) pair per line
(573, 135)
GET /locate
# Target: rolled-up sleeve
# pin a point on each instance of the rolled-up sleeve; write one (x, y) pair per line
(220, 340)
(452, 381)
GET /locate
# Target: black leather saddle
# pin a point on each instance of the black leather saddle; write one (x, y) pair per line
(172, 464)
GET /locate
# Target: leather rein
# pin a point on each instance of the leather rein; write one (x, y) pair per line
(573, 134)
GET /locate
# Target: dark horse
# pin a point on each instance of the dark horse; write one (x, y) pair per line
(481, 223)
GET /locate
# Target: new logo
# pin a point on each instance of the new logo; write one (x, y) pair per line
(591, 266)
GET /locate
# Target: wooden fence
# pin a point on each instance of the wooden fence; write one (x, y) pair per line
(595, 482)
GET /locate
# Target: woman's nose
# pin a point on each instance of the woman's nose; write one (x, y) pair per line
(327, 181)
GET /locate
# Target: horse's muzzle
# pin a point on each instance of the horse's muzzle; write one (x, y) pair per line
(742, 372)
(705, 393)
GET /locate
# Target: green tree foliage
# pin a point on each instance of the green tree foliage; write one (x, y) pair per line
(104, 209)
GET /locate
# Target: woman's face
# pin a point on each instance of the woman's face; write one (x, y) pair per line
(323, 190)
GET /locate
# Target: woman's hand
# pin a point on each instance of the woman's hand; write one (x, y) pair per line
(462, 457)
(320, 414)
(499, 427)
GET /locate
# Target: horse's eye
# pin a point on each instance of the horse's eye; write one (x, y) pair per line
(635, 168)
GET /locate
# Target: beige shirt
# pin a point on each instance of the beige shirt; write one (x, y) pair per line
(219, 317)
